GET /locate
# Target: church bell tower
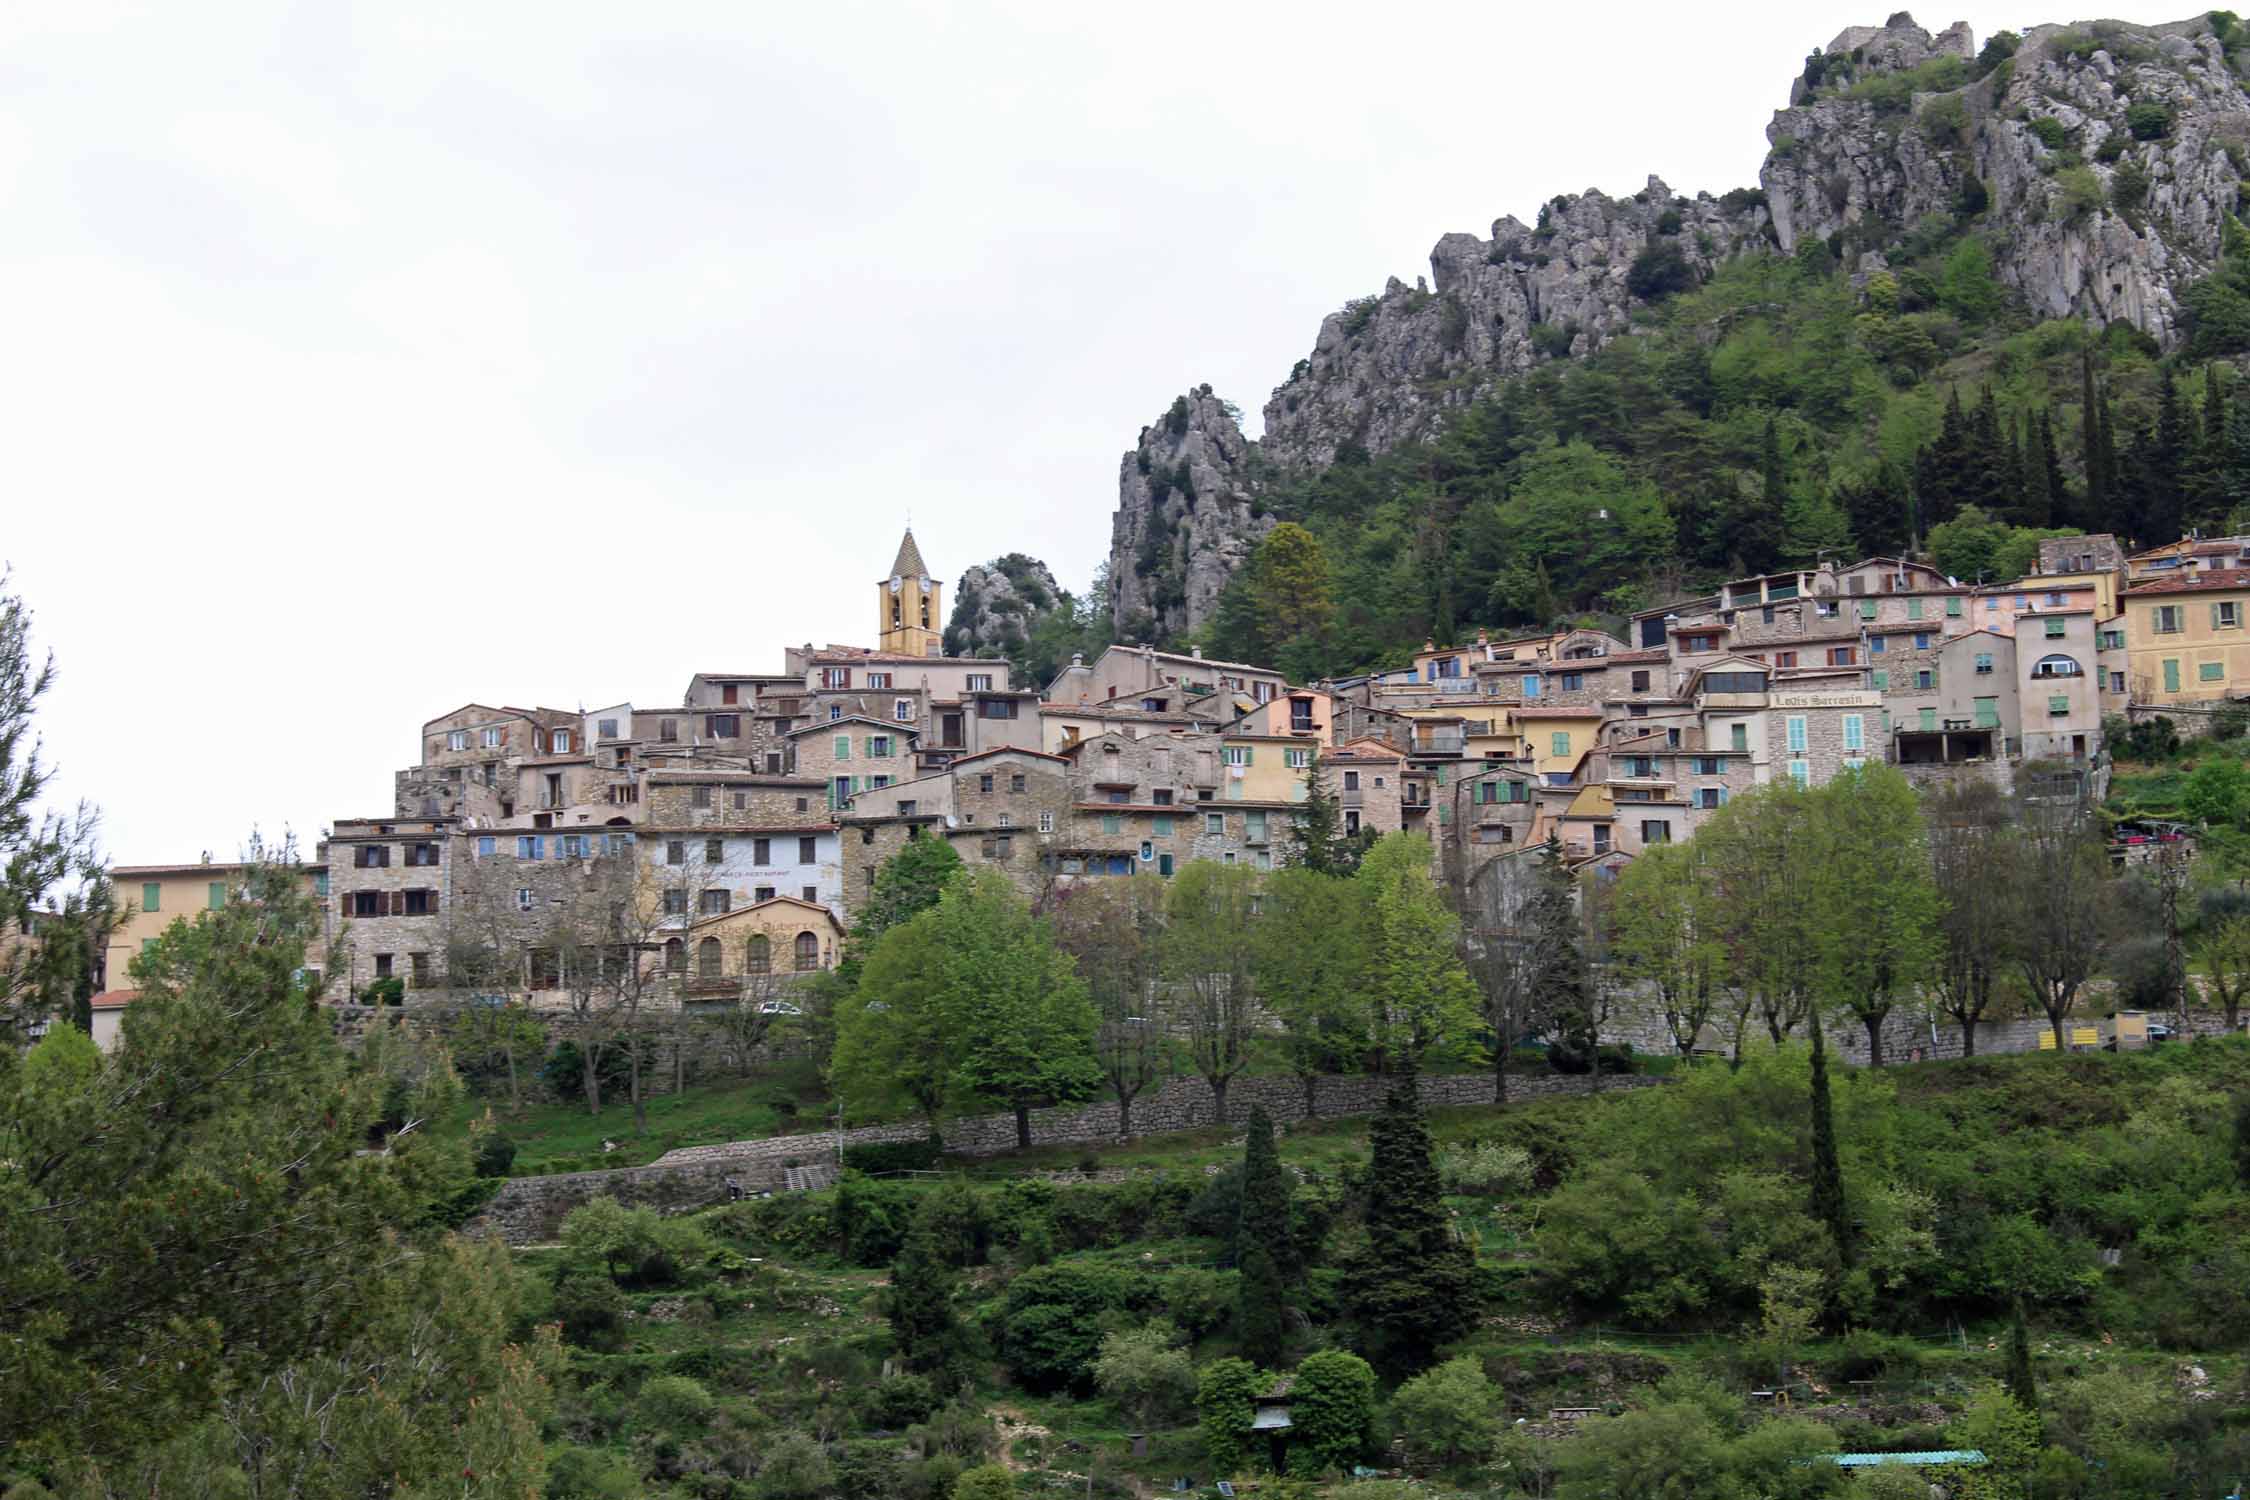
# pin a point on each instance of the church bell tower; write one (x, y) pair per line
(907, 605)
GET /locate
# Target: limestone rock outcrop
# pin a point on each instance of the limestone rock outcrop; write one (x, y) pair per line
(1185, 518)
(995, 604)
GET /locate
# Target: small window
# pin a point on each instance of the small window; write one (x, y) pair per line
(494, 738)
(713, 902)
(457, 739)
(523, 898)
(531, 846)
(675, 903)
(759, 957)
(2058, 705)
(487, 846)
(980, 682)
(561, 742)
(714, 851)
(675, 851)
(2209, 671)
(708, 962)
(699, 797)
(808, 952)
(667, 731)
(806, 851)
(1046, 822)
(675, 956)
(1016, 783)
(152, 896)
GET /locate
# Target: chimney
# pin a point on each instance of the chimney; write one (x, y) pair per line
(1078, 658)
(1196, 652)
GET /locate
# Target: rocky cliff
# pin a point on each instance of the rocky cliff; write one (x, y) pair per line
(2096, 163)
(995, 604)
(1185, 518)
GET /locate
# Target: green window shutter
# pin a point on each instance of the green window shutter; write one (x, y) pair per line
(1929, 718)
(843, 747)
(1953, 609)
(1914, 609)
(1867, 609)
(2054, 629)
(2058, 704)
(1561, 743)
(1742, 737)
(1163, 826)
(1988, 713)
(2171, 674)
(218, 895)
(1882, 680)
(152, 896)
(2210, 671)
(1112, 823)
(1445, 813)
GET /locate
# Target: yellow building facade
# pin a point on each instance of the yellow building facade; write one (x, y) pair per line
(2187, 639)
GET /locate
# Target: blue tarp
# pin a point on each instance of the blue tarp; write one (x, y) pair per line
(1967, 1458)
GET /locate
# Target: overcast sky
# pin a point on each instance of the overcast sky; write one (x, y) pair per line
(360, 361)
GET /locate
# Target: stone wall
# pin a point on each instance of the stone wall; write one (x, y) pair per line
(530, 1210)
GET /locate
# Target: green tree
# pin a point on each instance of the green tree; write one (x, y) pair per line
(1209, 909)
(1450, 1412)
(1662, 937)
(1409, 1287)
(1225, 1400)
(1968, 859)
(2216, 792)
(1876, 908)
(1317, 841)
(1307, 953)
(1263, 1246)
(2021, 1384)
(1114, 932)
(40, 853)
(894, 1041)
(194, 1212)
(1332, 1407)
(1022, 1029)
(908, 884)
(1425, 1004)
(1291, 589)
(1759, 851)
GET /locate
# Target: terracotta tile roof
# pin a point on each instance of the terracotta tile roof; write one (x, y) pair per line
(114, 999)
(2194, 583)
(1557, 711)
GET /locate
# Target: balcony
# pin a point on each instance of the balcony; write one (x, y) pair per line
(1439, 744)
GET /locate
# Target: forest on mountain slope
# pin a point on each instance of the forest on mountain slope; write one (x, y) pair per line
(1785, 410)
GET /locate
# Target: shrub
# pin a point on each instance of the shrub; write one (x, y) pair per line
(901, 1401)
(495, 1154)
(2111, 148)
(1223, 1401)
(1451, 1413)
(2229, 721)
(795, 1468)
(2128, 189)
(1668, 222)
(1945, 119)
(1358, 313)
(384, 992)
(590, 1474)
(870, 1219)
(2051, 132)
(1332, 1407)
(591, 1310)
(1659, 271)
(2078, 192)
(1552, 339)
(985, 1482)
(895, 1156)
(1487, 1168)
(1199, 1301)
(1051, 1322)
(674, 1404)
(1146, 1372)
(632, 1245)
(1736, 200)
(2149, 120)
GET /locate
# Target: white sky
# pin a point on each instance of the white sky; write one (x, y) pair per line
(359, 361)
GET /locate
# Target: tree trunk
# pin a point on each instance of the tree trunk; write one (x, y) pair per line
(2055, 1020)
(1023, 1126)
(1124, 1115)
(1874, 1025)
(515, 1094)
(1219, 1099)
(591, 1056)
(1499, 1077)
(1312, 1093)
(1968, 1035)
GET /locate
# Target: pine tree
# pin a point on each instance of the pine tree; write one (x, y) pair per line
(2021, 1385)
(1409, 1288)
(1879, 509)
(1264, 1251)
(1827, 1173)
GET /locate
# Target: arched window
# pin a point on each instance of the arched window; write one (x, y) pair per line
(761, 954)
(808, 952)
(707, 959)
(2057, 666)
(675, 956)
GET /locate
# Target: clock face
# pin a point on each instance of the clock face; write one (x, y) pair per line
(894, 585)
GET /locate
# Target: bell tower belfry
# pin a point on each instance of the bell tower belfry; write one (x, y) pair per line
(907, 606)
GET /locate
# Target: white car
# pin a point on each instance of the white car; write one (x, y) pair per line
(778, 1008)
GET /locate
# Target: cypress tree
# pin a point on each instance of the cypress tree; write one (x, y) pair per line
(2234, 478)
(1409, 1288)
(2163, 465)
(2094, 514)
(2038, 508)
(919, 1305)
(2242, 1139)
(2058, 492)
(1264, 1251)
(2021, 1385)
(1878, 509)
(1827, 1173)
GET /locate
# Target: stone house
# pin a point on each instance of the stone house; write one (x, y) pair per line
(389, 879)
(711, 869)
(2187, 641)
(1158, 681)
(1366, 778)
(2058, 685)
(854, 754)
(1064, 725)
(755, 952)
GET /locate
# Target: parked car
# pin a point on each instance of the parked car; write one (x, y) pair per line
(779, 1008)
